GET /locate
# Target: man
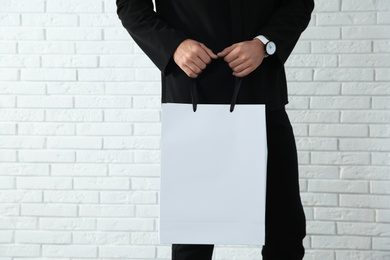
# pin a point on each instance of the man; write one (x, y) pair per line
(214, 42)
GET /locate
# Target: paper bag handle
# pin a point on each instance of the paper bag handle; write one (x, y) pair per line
(195, 96)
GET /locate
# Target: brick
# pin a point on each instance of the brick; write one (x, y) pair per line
(106, 210)
(339, 130)
(69, 251)
(133, 115)
(44, 101)
(21, 33)
(74, 6)
(381, 158)
(148, 211)
(365, 172)
(344, 214)
(319, 199)
(361, 255)
(22, 88)
(365, 117)
(341, 242)
(133, 143)
(44, 237)
(23, 169)
(73, 34)
(49, 20)
(343, 158)
(382, 74)
(369, 88)
(18, 222)
(343, 74)
(40, 47)
(135, 170)
(36, 182)
(78, 169)
(128, 197)
(46, 156)
(54, 210)
(364, 144)
(74, 143)
(342, 19)
(106, 74)
(379, 130)
(65, 196)
(79, 88)
(321, 33)
(103, 156)
(100, 129)
(48, 74)
(383, 215)
(142, 238)
(313, 116)
(116, 34)
(108, 47)
(129, 252)
(9, 19)
(101, 238)
(367, 60)
(42, 128)
(68, 61)
(312, 60)
(7, 47)
(364, 229)
(144, 156)
(147, 102)
(30, 6)
(383, 17)
(319, 254)
(8, 129)
(125, 224)
(381, 46)
(103, 183)
(293, 74)
(326, 6)
(313, 88)
(298, 103)
(340, 103)
(71, 224)
(314, 143)
(103, 102)
(20, 250)
(365, 32)
(147, 129)
(9, 74)
(22, 142)
(320, 227)
(74, 115)
(9, 61)
(369, 5)
(317, 171)
(381, 243)
(133, 88)
(100, 20)
(338, 186)
(381, 102)
(145, 183)
(365, 201)
(341, 46)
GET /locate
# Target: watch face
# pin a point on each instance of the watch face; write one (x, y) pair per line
(270, 48)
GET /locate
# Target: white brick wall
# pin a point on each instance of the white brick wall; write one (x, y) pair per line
(80, 128)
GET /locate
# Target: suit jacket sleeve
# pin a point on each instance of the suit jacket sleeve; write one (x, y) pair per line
(286, 25)
(152, 34)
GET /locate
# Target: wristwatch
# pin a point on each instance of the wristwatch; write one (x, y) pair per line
(269, 46)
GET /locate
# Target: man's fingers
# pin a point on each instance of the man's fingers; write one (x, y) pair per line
(208, 51)
(226, 51)
(244, 72)
(190, 73)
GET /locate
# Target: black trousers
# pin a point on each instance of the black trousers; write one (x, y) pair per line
(285, 219)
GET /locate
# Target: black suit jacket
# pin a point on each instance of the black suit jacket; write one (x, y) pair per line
(218, 24)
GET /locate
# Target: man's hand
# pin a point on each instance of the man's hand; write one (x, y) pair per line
(192, 57)
(244, 57)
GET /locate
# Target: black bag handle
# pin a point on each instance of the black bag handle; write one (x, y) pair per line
(195, 95)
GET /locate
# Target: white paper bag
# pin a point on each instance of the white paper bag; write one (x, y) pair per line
(213, 174)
